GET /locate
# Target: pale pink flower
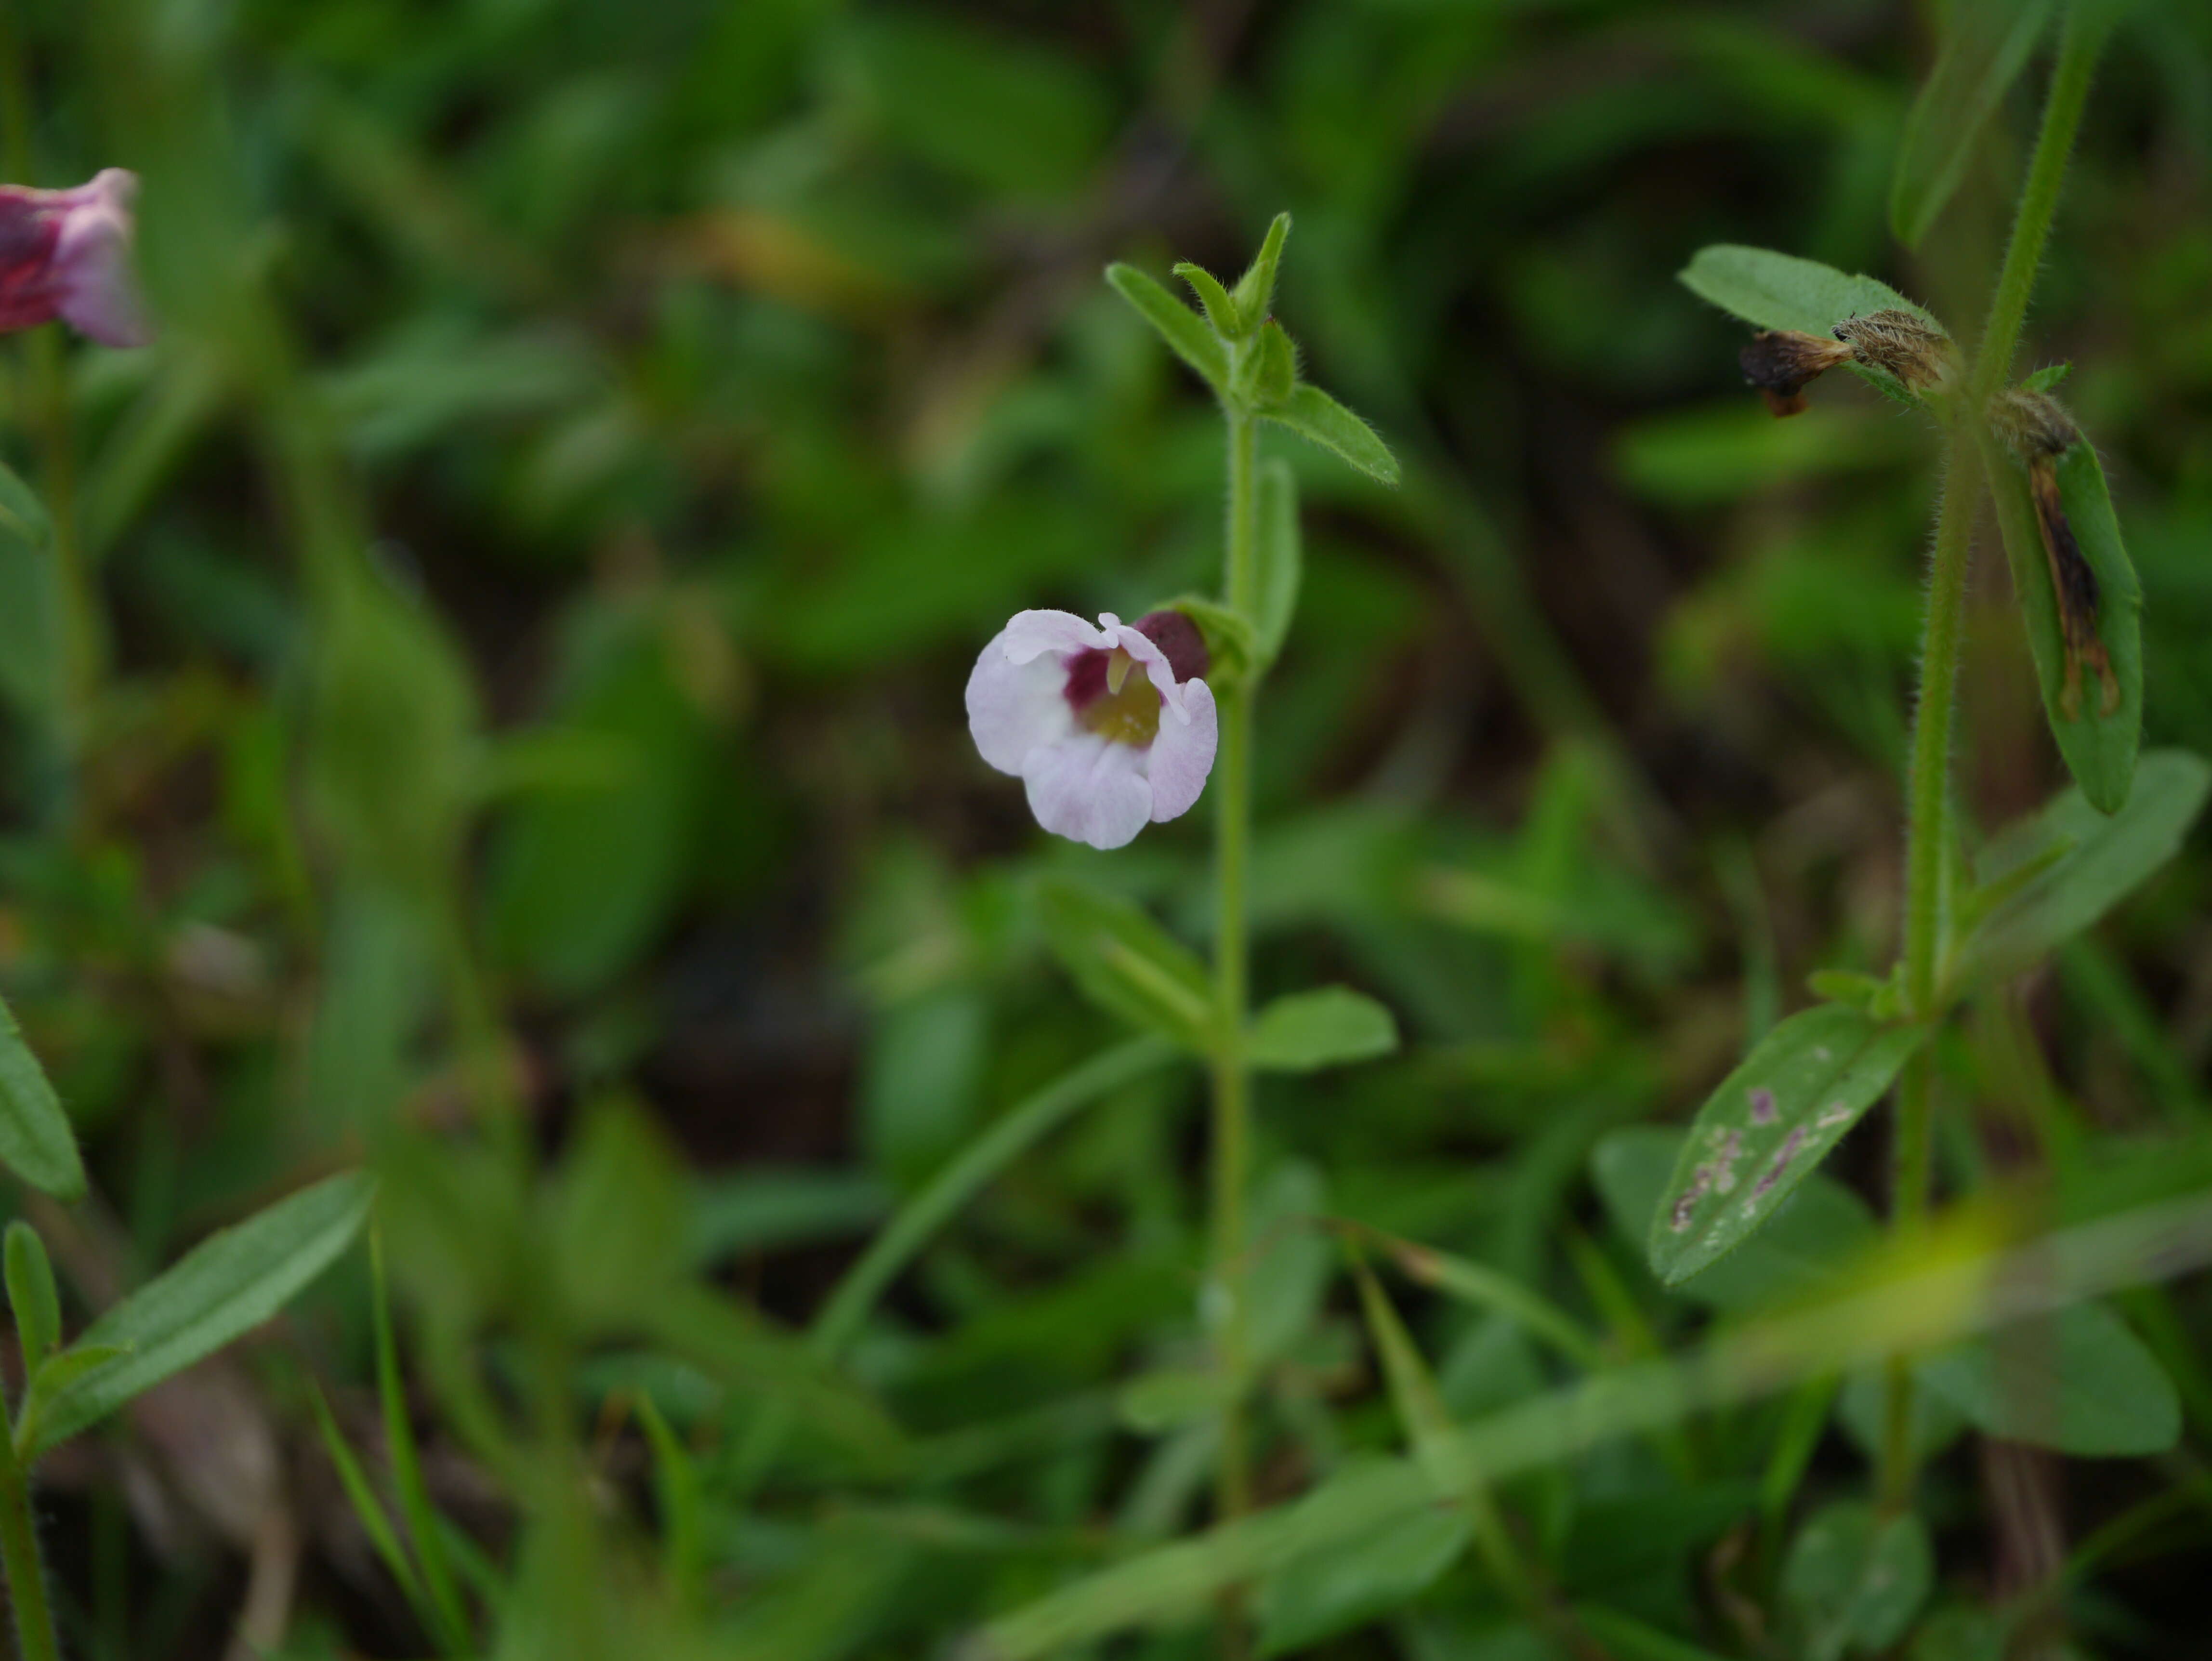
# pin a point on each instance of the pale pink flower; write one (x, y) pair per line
(67, 255)
(1101, 751)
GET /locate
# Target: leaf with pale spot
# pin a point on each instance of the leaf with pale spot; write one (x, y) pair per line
(1769, 1125)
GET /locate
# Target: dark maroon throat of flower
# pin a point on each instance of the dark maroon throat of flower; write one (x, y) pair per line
(1109, 691)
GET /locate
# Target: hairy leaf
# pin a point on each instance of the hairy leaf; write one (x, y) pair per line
(1312, 413)
(1183, 329)
(1771, 291)
(224, 1288)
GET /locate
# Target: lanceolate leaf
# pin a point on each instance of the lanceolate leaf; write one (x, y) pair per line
(1771, 291)
(2100, 860)
(1183, 329)
(1312, 413)
(1129, 964)
(1986, 44)
(2099, 748)
(36, 1141)
(222, 1289)
(1255, 289)
(1769, 1125)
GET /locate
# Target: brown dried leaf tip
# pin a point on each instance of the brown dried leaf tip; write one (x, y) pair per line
(1779, 362)
(2036, 430)
(1910, 347)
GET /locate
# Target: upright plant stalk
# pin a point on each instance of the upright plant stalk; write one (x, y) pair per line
(84, 636)
(1928, 842)
(1232, 1083)
(19, 1558)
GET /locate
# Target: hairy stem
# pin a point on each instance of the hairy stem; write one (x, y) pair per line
(2039, 202)
(20, 1560)
(1928, 839)
(1232, 1103)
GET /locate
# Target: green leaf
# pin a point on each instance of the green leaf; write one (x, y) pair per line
(1771, 291)
(2105, 859)
(1153, 1404)
(444, 1613)
(1771, 1123)
(1414, 1397)
(1495, 1292)
(1304, 1032)
(1332, 1591)
(56, 1374)
(1221, 309)
(1183, 330)
(1280, 557)
(2044, 379)
(1986, 44)
(374, 1520)
(224, 1288)
(2080, 1382)
(1961, 1632)
(615, 1219)
(2100, 749)
(1808, 1247)
(1854, 1579)
(678, 1495)
(1313, 414)
(1276, 377)
(1127, 965)
(1255, 289)
(32, 1294)
(36, 1141)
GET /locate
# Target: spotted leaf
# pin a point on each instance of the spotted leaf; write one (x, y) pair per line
(1768, 1125)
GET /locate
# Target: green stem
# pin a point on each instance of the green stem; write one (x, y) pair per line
(2039, 202)
(18, 1559)
(1232, 1101)
(1928, 839)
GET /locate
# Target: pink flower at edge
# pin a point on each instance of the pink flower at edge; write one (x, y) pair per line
(1101, 750)
(66, 254)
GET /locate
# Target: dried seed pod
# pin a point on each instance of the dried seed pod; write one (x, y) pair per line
(2038, 431)
(1779, 362)
(1910, 347)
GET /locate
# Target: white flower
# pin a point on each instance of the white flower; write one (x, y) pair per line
(1101, 751)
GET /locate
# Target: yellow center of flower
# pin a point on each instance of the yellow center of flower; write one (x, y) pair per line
(1128, 710)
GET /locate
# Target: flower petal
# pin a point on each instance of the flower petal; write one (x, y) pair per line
(1146, 651)
(1090, 789)
(1014, 706)
(1183, 755)
(1033, 633)
(98, 296)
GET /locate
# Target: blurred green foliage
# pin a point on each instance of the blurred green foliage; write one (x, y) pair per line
(488, 705)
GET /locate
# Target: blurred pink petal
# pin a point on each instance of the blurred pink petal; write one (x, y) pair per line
(66, 254)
